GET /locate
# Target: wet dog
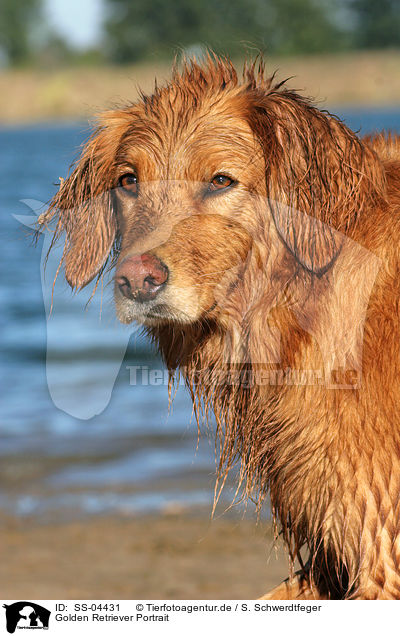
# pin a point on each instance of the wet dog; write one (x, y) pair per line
(256, 238)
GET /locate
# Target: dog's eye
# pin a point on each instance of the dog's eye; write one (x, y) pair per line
(220, 182)
(129, 182)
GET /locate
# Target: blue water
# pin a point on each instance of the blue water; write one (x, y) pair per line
(65, 447)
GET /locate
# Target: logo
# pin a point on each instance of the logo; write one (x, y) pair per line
(26, 615)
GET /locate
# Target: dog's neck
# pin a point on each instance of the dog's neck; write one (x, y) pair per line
(281, 419)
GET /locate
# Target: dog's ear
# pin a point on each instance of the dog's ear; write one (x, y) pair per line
(83, 203)
(320, 176)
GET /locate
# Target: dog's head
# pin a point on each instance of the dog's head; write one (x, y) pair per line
(210, 174)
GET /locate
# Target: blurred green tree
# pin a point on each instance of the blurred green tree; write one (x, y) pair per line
(136, 30)
(304, 26)
(377, 23)
(18, 19)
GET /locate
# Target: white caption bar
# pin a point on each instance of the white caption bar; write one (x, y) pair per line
(181, 617)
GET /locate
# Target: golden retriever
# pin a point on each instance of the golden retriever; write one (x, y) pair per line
(256, 238)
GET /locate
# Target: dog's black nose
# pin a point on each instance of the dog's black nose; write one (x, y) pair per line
(142, 277)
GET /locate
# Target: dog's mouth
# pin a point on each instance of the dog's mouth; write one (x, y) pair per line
(150, 313)
(160, 311)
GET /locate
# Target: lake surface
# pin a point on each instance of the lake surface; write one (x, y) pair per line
(79, 435)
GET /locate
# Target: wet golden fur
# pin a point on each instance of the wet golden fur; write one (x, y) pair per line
(296, 267)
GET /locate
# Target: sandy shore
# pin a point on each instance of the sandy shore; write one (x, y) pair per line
(358, 78)
(168, 557)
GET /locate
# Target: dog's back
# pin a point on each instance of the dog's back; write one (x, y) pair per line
(386, 145)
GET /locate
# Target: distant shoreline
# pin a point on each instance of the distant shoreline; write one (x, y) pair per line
(70, 94)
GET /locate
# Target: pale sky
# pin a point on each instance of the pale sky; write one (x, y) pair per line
(79, 21)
